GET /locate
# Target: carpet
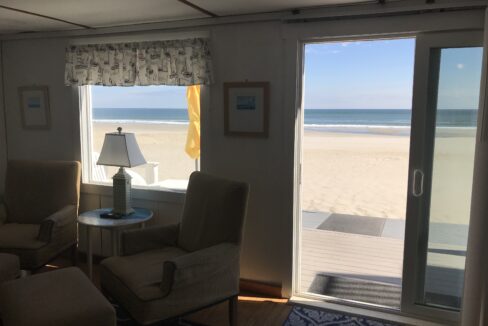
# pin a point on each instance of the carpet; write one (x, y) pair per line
(124, 319)
(357, 289)
(301, 316)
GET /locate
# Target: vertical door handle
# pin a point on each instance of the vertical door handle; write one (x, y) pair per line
(418, 183)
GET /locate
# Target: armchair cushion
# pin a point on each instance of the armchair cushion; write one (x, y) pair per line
(213, 213)
(20, 236)
(198, 266)
(36, 189)
(3, 213)
(139, 240)
(135, 281)
(141, 273)
(56, 222)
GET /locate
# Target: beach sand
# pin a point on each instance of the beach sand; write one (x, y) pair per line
(367, 174)
(346, 173)
(162, 143)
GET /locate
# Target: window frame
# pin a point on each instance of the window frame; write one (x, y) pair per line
(86, 145)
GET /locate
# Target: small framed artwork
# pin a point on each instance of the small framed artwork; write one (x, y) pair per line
(246, 109)
(34, 107)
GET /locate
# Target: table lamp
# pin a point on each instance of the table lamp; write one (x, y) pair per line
(121, 149)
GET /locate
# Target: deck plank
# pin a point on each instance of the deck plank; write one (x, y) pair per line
(354, 255)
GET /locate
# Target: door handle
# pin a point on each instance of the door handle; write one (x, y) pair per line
(418, 183)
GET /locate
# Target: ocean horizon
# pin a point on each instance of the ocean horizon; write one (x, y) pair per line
(339, 120)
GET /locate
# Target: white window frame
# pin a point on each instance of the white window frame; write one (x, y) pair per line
(86, 135)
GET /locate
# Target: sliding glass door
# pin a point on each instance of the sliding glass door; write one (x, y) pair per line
(444, 119)
(362, 165)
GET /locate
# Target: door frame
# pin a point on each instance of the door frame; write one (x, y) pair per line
(300, 61)
(424, 107)
(428, 40)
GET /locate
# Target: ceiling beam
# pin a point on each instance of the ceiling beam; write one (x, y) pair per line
(203, 10)
(44, 16)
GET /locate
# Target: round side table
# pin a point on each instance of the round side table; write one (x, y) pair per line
(92, 219)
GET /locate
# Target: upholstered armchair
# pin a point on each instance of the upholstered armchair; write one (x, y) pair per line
(39, 210)
(168, 271)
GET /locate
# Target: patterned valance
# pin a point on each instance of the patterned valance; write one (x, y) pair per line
(176, 62)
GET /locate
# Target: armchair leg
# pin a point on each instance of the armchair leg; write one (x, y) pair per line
(233, 311)
(74, 255)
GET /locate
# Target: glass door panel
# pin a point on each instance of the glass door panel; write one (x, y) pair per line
(444, 121)
(452, 173)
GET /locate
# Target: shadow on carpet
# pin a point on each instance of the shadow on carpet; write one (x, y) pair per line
(302, 316)
(124, 319)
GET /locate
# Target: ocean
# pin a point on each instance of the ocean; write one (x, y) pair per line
(355, 120)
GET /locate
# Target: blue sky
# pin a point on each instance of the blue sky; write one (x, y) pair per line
(171, 97)
(361, 74)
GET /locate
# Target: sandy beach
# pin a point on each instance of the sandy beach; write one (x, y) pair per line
(367, 174)
(162, 143)
(348, 173)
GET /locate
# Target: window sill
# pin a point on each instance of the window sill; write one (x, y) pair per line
(138, 192)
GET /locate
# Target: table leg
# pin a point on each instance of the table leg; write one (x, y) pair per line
(89, 252)
(115, 242)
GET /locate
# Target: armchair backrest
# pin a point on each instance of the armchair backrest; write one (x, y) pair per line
(213, 213)
(36, 189)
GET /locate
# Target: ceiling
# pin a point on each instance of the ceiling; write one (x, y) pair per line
(21, 16)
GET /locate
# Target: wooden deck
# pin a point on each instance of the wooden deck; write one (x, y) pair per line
(378, 259)
(351, 255)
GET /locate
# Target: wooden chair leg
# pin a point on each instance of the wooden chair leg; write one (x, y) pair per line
(233, 311)
(74, 255)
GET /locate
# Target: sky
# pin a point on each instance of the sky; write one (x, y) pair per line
(379, 75)
(168, 97)
(359, 74)
(352, 75)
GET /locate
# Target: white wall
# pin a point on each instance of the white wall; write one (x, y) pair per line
(254, 52)
(240, 52)
(40, 62)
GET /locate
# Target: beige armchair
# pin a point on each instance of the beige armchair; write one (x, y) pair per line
(39, 209)
(168, 271)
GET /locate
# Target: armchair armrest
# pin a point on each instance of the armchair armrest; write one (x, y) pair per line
(63, 217)
(201, 266)
(3, 212)
(139, 240)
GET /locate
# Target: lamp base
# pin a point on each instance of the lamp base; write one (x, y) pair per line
(122, 193)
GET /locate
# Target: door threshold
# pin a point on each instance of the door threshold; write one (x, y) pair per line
(299, 300)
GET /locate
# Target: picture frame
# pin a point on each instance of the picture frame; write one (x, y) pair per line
(246, 109)
(34, 107)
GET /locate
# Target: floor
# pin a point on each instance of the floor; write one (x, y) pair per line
(252, 309)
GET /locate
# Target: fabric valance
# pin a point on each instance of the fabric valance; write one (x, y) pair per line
(176, 62)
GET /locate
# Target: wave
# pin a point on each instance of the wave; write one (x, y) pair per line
(355, 126)
(331, 126)
(152, 122)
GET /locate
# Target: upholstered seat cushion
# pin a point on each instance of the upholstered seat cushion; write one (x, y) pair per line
(61, 297)
(142, 273)
(20, 236)
(9, 267)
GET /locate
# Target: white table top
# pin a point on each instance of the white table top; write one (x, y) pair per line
(92, 218)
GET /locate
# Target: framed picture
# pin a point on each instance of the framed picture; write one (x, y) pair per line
(34, 107)
(246, 109)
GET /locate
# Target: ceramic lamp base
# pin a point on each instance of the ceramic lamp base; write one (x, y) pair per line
(122, 192)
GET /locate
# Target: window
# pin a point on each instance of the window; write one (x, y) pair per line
(158, 117)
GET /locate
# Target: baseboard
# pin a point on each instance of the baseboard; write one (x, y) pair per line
(267, 289)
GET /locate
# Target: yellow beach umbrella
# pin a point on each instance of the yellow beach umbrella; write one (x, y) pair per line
(192, 147)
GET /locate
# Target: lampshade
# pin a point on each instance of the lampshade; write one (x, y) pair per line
(120, 149)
